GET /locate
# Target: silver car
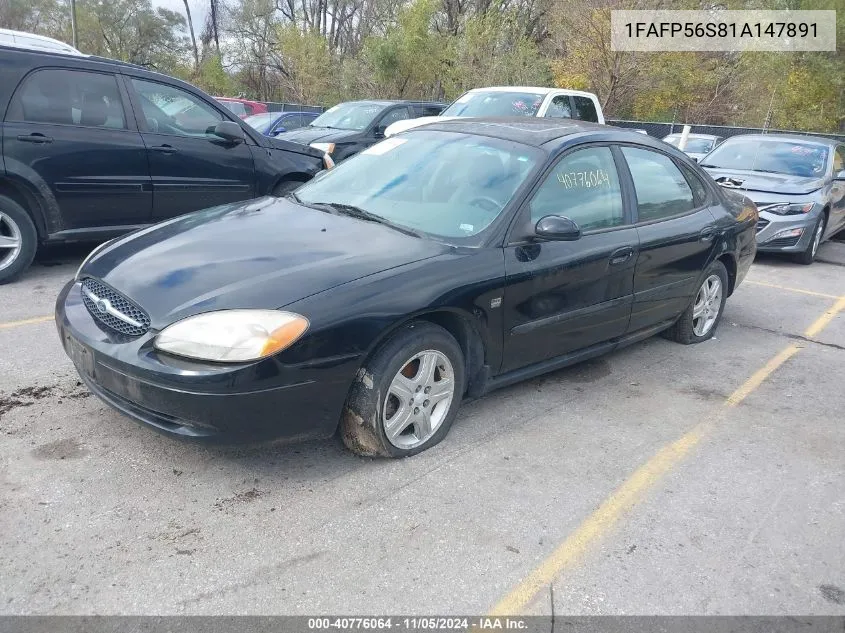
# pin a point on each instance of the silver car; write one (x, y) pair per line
(797, 183)
(698, 145)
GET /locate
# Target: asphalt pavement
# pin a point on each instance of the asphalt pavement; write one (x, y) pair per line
(662, 479)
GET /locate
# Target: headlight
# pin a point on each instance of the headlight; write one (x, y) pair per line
(789, 209)
(232, 335)
(91, 254)
(328, 148)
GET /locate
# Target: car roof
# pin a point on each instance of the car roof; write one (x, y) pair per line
(792, 138)
(539, 89)
(691, 135)
(534, 131)
(31, 41)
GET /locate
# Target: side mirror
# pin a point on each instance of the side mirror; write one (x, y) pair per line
(557, 228)
(840, 175)
(279, 130)
(229, 131)
(379, 131)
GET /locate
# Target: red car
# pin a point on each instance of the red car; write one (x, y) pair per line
(242, 107)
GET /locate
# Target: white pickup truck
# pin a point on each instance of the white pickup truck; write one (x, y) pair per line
(514, 101)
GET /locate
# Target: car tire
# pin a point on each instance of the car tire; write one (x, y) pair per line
(285, 187)
(808, 256)
(699, 321)
(387, 412)
(15, 224)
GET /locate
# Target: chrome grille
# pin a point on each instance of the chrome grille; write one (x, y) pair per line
(112, 309)
(762, 223)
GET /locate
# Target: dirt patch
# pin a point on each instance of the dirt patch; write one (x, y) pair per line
(27, 396)
(832, 593)
(247, 496)
(60, 449)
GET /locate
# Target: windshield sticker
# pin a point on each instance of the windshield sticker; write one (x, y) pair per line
(467, 227)
(385, 146)
(584, 179)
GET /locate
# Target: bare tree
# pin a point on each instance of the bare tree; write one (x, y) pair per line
(193, 37)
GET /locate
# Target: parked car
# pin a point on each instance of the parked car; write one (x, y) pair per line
(242, 107)
(502, 101)
(275, 123)
(797, 182)
(430, 268)
(348, 128)
(93, 148)
(697, 144)
(31, 41)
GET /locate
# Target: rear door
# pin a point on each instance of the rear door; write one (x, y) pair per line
(71, 133)
(564, 296)
(837, 203)
(676, 234)
(190, 167)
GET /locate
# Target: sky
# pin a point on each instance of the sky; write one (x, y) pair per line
(199, 10)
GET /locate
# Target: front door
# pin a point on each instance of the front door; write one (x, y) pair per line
(564, 296)
(190, 167)
(68, 132)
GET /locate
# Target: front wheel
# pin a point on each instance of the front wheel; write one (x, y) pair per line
(700, 320)
(407, 395)
(809, 254)
(18, 240)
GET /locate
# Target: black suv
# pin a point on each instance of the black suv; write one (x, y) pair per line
(353, 126)
(93, 148)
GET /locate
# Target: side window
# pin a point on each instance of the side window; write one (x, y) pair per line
(560, 108)
(699, 190)
(171, 110)
(662, 191)
(585, 109)
(584, 187)
(394, 115)
(431, 110)
(838, 159)
(291, 122)
(69, 97)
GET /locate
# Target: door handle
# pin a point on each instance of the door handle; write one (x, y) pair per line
(707, 234)
(621, 256)
(165, 149)
(35, 137)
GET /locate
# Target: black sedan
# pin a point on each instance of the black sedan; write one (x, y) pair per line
(433, 267)
(347, 128)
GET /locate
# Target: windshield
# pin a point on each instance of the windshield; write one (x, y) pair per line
(780, 157)
(496, 103)
(235, 107)
(260, 121)
(354, 115)
(694, 145)
(445, 184)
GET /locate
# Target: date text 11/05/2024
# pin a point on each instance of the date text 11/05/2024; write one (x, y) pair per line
(721, 29)
(419, 623)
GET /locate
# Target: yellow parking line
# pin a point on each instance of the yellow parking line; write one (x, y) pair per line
(11, 324)
(789, 289)
(600, 522)
(823, 321)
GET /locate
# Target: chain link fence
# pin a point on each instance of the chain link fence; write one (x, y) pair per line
(274, 106)
(659, 130)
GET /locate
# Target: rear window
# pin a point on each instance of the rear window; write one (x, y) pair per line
(585, 109)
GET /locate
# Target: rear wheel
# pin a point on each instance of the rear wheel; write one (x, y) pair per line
(809, 254)
(700, 320)
(407, 395)
(18, 239)
(285, 187)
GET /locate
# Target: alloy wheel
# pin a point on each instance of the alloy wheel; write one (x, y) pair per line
(10, 240)
(418, 399)
(708, 303)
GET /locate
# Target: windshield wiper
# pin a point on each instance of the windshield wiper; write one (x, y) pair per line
(361, 214)
(707, 165)
(768, 171)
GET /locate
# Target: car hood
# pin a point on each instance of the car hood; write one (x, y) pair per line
(309, 134)
(265, 253)
(747, 180)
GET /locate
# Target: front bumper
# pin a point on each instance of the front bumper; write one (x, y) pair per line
(217, 403)
(770, 225)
